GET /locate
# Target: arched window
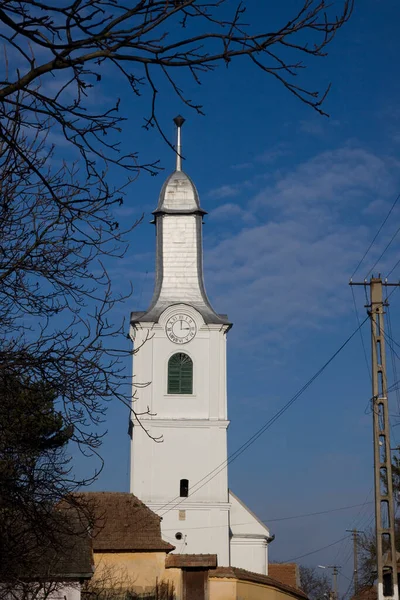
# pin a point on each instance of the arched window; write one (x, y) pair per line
(184, 488)
(180, 374)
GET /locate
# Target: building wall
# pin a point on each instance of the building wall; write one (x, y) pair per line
(150, 363)
(249, 541)
(65, 592)
(235, 589)
(222, 589)
(250, 554)
(193, 431)
(205, 529)
(140, 570)
(258, 591)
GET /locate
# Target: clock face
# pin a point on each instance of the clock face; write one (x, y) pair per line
(181, 328)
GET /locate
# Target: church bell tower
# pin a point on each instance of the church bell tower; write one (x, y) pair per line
(180, 379)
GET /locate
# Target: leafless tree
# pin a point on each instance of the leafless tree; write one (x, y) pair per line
(58, 220)
(314, 584)
(55, 52)
(58, 148)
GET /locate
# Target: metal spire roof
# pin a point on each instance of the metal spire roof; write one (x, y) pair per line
(179, 269)
(179, 194)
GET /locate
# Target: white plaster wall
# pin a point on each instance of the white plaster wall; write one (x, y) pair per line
(208, 353)
(193, 428)
(250, 553)
(189, 451)
(205, 528)
(67, 592)
(243, 521)
(249, 542)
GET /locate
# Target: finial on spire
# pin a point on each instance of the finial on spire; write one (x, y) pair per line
(179, 121)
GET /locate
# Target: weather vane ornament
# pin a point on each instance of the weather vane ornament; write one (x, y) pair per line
(179, 121)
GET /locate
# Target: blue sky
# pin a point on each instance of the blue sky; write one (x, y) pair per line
(293, 201)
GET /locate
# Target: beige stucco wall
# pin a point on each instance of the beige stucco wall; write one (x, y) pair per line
(222, 589)
(234, 589)
(140, 570)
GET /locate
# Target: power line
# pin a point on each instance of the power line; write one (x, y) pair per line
(384, 251)
(349, 588)
(317, 550)
(376, 235)
(361, 335)
(207, 478)
(172, 504)
(392, 269)
(275, 520)
(321, 512)
(394, 366)
(355, 522)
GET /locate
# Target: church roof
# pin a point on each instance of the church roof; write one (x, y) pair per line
(179, 254)
(123, 523)
(244, 575)
(192, 561)
(287, 573)
(179, 195)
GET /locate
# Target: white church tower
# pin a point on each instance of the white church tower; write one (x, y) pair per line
(180, 379)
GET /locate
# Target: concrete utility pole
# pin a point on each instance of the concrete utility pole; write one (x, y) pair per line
(384, 507)
(354, 533)
(335, 572)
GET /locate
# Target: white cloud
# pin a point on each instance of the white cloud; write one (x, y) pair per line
(225, 191)
(227, 210)
(270, 156)
(396, 137)
(231, 211)
(242, 166)
(317, 126)
(291, 269)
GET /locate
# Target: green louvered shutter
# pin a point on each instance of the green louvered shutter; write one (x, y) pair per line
(180, 374)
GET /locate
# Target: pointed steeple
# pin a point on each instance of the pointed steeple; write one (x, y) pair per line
(179, 194)
(179, 253)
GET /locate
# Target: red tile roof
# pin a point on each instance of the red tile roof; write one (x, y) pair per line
(123, 523)
(243, 575)
(287, 573)
(205, 561)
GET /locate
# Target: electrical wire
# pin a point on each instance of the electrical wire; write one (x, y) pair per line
(361, 335)
(392, 269)
(349, 588)
(384, 251)
(395, 288)
(394, 367)
(317, 550)
(207, 478)
(172, 504)
(275, 520)
(389, 341)
(376, 235)
(355, 523)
